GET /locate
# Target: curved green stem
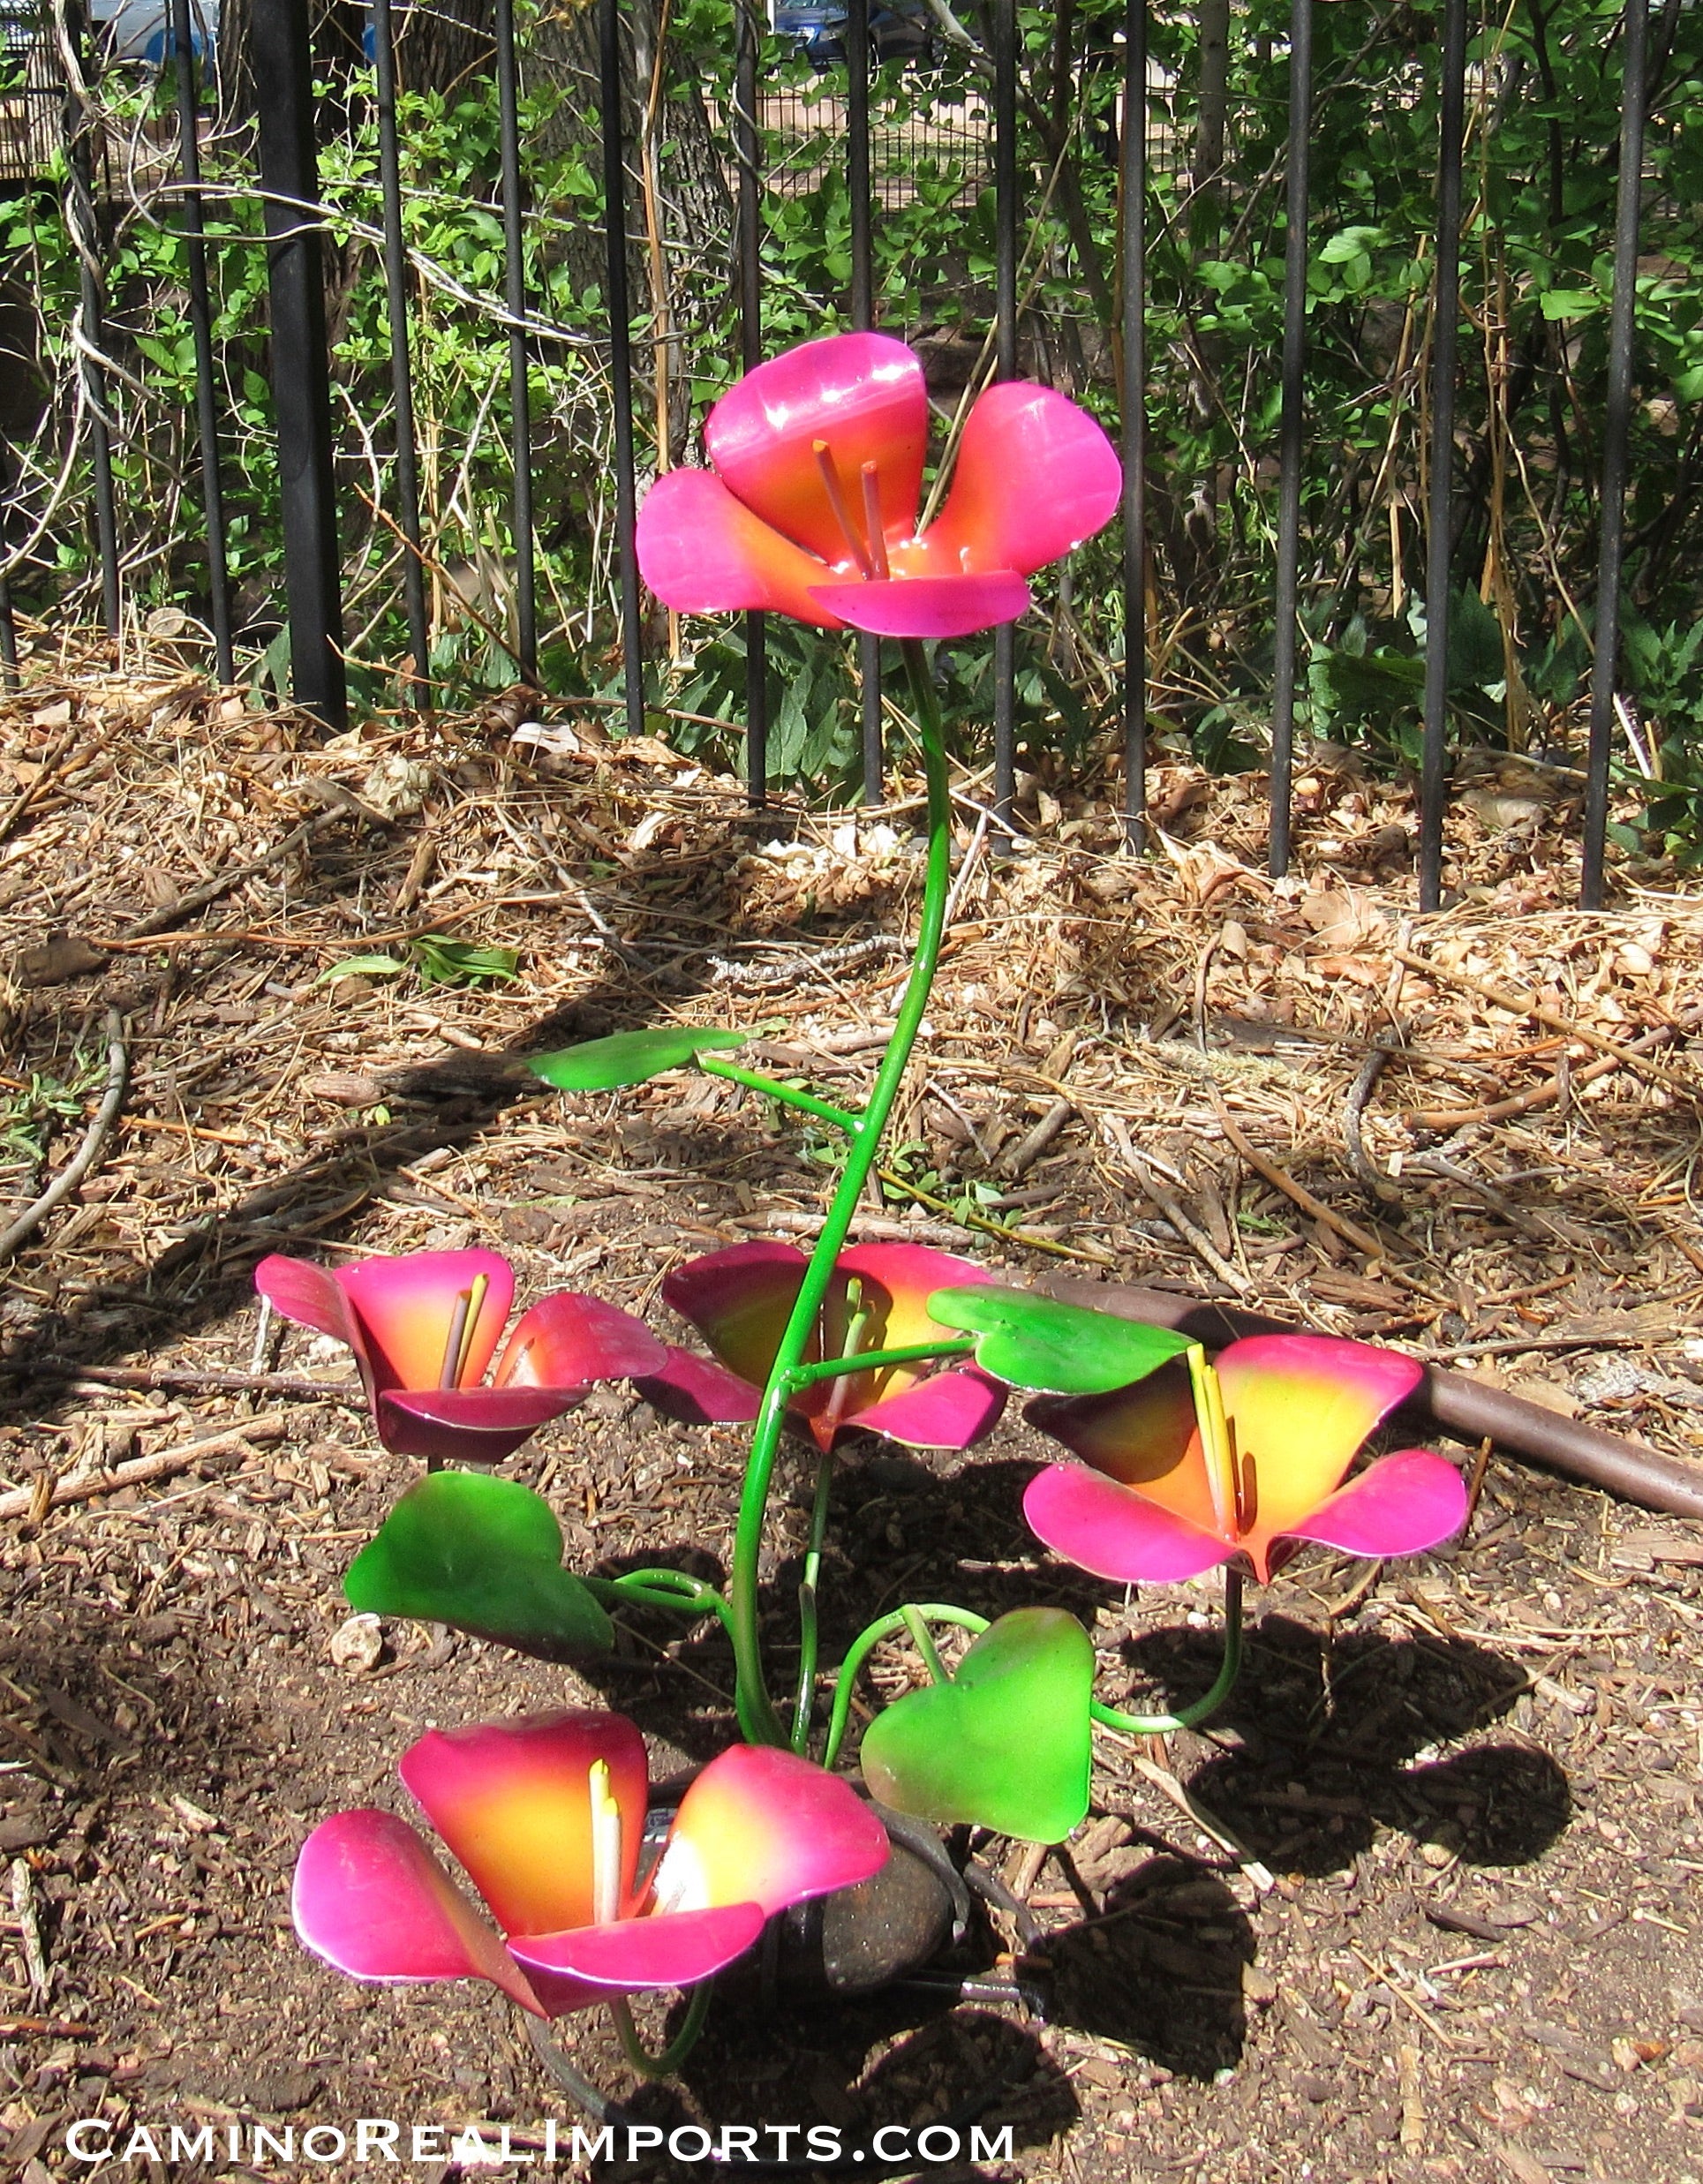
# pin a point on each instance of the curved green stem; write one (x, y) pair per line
(807, 1618)
(841, 1118)
(1190, 1717)
(861, 1646)
(661, 1588)
(757, 1718)
(925, 1644)
(679, 2048)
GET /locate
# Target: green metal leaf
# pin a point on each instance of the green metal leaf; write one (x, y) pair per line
(363, 966)
(483, 1555)
(626, 1057)
(1062, 1350)
(1005, 1744)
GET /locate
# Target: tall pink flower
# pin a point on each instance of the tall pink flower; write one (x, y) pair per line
(810, 509)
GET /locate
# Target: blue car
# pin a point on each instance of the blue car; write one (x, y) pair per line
(899, 30)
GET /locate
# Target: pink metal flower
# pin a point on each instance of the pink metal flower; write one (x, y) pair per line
(1151, 1501)
(424, 1327)
(811, 507)
(547, 1816)
(740, 1300)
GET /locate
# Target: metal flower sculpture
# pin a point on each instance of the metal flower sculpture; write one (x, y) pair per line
(740, 1301)
(547, 1816)
(811, 507)
(424, 1327)
(1196, 1466)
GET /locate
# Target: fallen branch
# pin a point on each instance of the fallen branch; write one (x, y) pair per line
(1117, 1131)
(1544, 1095)
(236, 1440)
(1455, 1402)
(46, 773)
(88, 1152)
(295, 1385)
(1540, 1013)
(1351, 1231)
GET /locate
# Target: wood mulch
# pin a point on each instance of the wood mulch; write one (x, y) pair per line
(1421, 1903)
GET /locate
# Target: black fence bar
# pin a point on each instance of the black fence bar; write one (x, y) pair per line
(520, 408)
(1132, 409)
(1290, 434)
(200, 321)
(1616, 425)
(301, 379)
(749, 218)
(862, 316)
(401, 377)
(620, 361)
(83, 221)
(1434, 751)
(8, 637)
(1005, 345)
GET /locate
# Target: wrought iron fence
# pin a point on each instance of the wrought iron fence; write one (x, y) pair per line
(777, 142)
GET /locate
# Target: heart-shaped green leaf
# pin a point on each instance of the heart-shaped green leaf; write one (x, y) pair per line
(483, 1555)
(626, 1057)
(1006, 1743)
(1060, 1350)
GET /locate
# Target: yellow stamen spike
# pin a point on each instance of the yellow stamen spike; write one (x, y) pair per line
(606, 1848)
(1215, 1449)
(475, 1306)
(842, 514)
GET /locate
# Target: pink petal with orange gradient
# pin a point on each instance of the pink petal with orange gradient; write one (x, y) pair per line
(703, 553)
(950, 1410)
(698, 1391)
(863, 395)
(370, 1898)
(1300, 1407)
(1400, 1505)
(312, 1296)
(467, 1425)
(406, 1307)
(1035, 475)
(738, 1301)
(1145, 1437)
(906, 1276)
(1108, 1530)
(675, 1950)
(512, 1799)
(565, 1341)
(926, 606)
(762, 1826)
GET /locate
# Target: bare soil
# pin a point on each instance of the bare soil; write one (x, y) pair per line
(1422, 1903)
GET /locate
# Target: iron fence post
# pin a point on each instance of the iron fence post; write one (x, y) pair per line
(200, 319)
(621, 358)
(520, 417)
(84, 223)
(401, 379)
(863, 319)
(1290, 434)
(301, 379)
(1617, 432)
(746, 147)
(1132, 406)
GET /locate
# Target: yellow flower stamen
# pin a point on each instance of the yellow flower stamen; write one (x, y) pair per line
(1216, 1447)
(606, 1848)
(872, 521)
(464, 1323)
(842, 514)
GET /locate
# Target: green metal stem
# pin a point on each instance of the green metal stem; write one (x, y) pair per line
(661, 1588)
(877, 1360)
(1190, 1717)
(805, 1697)
(664, 2065)
(925, 1646)
(757, 1718)
(841, 1118)
(861, 1646)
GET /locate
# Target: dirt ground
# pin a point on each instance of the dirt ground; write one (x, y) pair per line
(1421, 1903)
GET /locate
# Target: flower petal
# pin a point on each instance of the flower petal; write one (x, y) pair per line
(1300, 1407)
(1105, 1528)
(1144, 1437)
(860, 393)
(673, 1951)
(565, 1341)
(1400, 1505)
(371, 1899)
(928, 605)
(907, 1275)
(467, 1425)
(406, 1306)
(698, 1391)
(312, 1297)
(512, 1799)
(760, 1824)
(949, 1411)
(1034, 476)
(738, 1300)
(704, 552)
